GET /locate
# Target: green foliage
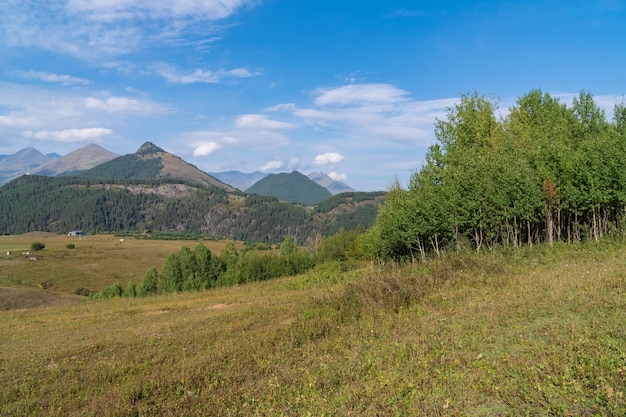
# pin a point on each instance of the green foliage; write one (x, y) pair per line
(293, 186)
(351, 197)
(70, 246)
(37, 203)
(341, 246)
(126, 167)
(171, 276)
(149, 284)
(545, 173)
(111, 291)
(131, 290)
(36, 246)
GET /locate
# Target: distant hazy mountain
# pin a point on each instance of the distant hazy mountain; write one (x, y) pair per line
(295, 187)
(20, 163)
(152, 162)
(238, 179)
(81, 159)
(334, 186)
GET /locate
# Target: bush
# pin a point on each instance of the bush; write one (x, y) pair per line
(82, 291)
(35, 246)
(70, 246)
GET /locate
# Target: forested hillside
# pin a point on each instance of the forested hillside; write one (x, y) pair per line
(149, 163)
(61, 204)
(294, 186)
(545, 172)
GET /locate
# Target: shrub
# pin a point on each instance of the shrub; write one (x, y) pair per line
(35, 246)
(70, 246)
(82, 291)
(111, 291)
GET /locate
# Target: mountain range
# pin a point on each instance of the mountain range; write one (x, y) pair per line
(243, 181)
(20, 163)
(153, 192)
(152, 162)
(80, 160)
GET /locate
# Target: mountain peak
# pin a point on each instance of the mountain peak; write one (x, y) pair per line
(334, 186)
(148, 148)
(294, 186)
(81, 159)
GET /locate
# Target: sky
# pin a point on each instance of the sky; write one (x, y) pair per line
(350, 88)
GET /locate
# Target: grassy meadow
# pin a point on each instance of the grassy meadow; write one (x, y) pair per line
(529, 332)
(95, 262)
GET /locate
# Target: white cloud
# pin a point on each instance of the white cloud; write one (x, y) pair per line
(272, 166)
(98, 30)
(107, 10)
(338, 177)
(328, 158)
(378, 113)
(242, 73)
(287, 164)
(47, 113)
(259, 121)
(123, 105)
(54, 78)
(205, 149)
(282, 107)
(200, 75)
(69, 135)
(359, 94)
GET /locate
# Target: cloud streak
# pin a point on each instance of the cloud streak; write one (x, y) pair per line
(53, 78)
(260, 122)
(54, 115)
(69, 135)
(200, 75)
(378, 113)
(97, 30)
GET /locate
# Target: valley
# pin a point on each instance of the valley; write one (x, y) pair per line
(54, 274)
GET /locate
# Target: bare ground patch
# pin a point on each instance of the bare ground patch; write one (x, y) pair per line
(12, 298)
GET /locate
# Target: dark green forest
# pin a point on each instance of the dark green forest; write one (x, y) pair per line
(292, 186)
(126, 206)
(544, 172)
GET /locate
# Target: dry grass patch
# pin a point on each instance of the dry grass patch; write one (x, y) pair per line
(537, 333)
(95, 262)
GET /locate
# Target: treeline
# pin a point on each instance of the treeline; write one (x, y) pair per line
(200, 269)
(125, 167)
(39, 203)
(58, 205)
(126, 206)
(545, 172)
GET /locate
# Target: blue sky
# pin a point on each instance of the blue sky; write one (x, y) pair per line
(350, 88)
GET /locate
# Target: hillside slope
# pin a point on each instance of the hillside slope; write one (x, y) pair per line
(20, 163)
(151, 162)
(59, 204)
(294, 187)
(334, 186)
(81, 159)
(541, 334)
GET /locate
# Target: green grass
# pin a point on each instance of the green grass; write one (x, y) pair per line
(95, 262)
(532, 332)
